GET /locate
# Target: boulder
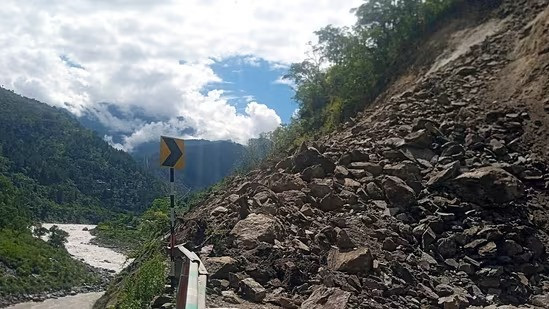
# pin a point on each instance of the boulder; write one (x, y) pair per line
(419, 139)
(448, 172)
(327, 298)
(251, 290)
(447, 247)
(311, 156)
(374, 191)
(351, 184)
(285, 182)
(331, 202)
(466, 70)
(341, 172)
(398, 193)
(220, 267)
(320, 187)
(343, 239)
(372, 168)
(406, 171)
(489, 185)
(352, 262)
(256, 228)
(311, 172)
(540, 300)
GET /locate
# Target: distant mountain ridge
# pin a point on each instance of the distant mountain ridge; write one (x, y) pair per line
(207, 162)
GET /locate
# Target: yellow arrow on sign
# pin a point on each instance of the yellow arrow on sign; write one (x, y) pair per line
(172, 152)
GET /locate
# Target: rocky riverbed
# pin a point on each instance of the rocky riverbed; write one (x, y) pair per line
(104, 261)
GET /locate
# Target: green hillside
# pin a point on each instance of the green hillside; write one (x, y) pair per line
(53, 169)
(67, 173)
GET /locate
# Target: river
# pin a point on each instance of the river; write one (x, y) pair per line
(79, 246)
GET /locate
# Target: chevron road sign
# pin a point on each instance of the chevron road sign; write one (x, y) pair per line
(172, 156)
(172, 152)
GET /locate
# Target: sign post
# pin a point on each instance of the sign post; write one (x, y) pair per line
(172, 156)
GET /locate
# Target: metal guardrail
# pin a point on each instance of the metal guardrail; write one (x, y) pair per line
(191, 275)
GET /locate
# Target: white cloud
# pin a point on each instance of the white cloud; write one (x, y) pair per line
(295, 114)
(222, 123)
(284, 81)
(78, 53)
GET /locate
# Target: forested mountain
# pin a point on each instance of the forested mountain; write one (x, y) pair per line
(207, 161)
(67, 172)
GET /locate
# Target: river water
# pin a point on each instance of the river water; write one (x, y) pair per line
(79, 246)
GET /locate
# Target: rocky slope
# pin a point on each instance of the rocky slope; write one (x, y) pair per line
(435, 197)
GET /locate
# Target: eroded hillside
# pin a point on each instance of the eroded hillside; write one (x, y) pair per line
(434, 197)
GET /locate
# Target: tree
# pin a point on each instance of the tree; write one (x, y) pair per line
(350, 67)
(39, 230)
(58, 237)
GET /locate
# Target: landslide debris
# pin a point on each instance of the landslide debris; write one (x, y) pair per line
(434, 198)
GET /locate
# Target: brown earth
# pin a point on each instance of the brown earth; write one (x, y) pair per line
(437, 196)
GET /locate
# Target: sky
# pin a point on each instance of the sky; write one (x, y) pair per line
(209, 69)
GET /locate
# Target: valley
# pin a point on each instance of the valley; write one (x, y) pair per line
(79, 247)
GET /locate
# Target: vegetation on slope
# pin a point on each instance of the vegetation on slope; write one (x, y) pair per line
(142, 236)
(67, 172)
(52, 169)
(349, 67)
(28, 264)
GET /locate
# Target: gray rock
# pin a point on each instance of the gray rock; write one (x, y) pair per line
(540, 300)
(389, 244)
(327, 298)
(256, 228)
(341, 172)
(498, 147)
(285, 182)
(374, 191)
(511, 247)
(352, 262)
(230, 297)
(447, 247)
(311, 156)
(428, 237)
(311, 172)
(489, 249)
(420, 139)
(331, 202)
(372, 168)
(343, 239)
(220, 267)
(252, 290)
(398, 193)
(320, 187)
(219, 210)
(489, 185)
(449, 171)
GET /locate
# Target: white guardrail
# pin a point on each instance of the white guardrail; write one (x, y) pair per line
(191, 275)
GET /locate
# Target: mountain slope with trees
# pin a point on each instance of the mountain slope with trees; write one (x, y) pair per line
(67, 172)
(52, 169)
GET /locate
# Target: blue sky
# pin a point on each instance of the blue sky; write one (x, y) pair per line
(248, 79)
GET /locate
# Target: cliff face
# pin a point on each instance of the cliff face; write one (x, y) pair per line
(435, 196)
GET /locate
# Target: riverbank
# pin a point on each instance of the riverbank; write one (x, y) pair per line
(104, 262)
